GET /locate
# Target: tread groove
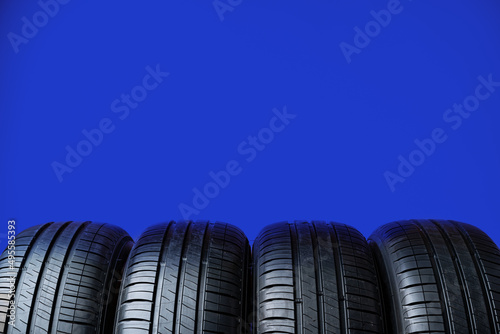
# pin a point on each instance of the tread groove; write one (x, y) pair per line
(35, 297)
(297, 279)
(340, 281)
(180, 280)
(461, 276)
(202, 279)
(158, 286)
(319, 279)
(72, 243)
(438, 272)
(482, 274)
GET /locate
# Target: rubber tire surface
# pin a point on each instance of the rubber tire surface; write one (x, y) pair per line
(441, 277)
(186, 277)
(67, 278)
(315, 278)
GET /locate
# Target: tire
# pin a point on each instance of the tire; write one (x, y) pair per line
(440, 277)
(315, 278)
(186, 277)
(67, 278)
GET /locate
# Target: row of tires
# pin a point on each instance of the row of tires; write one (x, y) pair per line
(418, 276)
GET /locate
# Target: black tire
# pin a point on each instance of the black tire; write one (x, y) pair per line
(186, 277)
(440, 277)
(315, 278)
(67, 278)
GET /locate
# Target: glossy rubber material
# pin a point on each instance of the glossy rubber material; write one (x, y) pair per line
(315, 278)
(67, 278)
(186, 277)
(438, 277)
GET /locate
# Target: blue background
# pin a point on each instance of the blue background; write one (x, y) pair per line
(353, 119)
